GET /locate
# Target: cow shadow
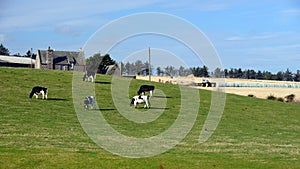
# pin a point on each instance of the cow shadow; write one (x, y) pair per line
(103, 109)
(57, 99)
(103, 82)
(160, 108)
(155, 108)
(168, 97)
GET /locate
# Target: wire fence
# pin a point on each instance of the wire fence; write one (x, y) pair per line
(260, 85)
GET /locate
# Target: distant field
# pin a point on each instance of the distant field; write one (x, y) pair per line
(259, 92)
(253, 132)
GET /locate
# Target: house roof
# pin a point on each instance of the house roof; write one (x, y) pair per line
(62, 57)
(18, 60)
(63, 60)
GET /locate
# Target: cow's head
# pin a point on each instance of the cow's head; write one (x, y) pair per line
(132, 102)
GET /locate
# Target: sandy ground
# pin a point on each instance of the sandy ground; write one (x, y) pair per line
(264, 92)
(259, 92)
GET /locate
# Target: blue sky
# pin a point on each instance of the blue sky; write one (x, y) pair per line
(260, 35)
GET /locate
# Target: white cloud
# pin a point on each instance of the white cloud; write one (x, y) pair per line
(234, 38)
(45, 15)
(261, 36)
(291, 11)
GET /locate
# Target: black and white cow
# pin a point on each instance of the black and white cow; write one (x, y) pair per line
(140, 99)
(89, 76)
(146, 88)
(39, 90)
(89, 100)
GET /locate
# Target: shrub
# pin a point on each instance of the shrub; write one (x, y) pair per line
(251, 95)
(290, 98)
(271, 97)
(280, 99)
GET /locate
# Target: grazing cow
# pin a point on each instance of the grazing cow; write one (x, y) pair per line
(39, 90)
(89, 75)
(89, 100)
(146, 88)
(140, 99)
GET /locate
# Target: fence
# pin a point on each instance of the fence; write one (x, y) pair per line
(267, 85)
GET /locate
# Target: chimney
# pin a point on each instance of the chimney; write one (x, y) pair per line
(50, 58)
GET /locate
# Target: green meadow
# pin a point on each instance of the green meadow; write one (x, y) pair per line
(36, 133)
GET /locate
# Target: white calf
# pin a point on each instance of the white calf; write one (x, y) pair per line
(140, 99)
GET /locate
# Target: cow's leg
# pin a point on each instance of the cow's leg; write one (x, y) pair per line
(92, 78)
(43, 94)
(135, 103)
(94, 104)
(36, 96)
(146, 104)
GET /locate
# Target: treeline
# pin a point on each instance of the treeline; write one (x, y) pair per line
(142, 68)
(4, 51)
(260, 75)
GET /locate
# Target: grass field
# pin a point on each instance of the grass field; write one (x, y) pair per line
(253, 133)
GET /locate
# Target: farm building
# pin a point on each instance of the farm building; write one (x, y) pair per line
(58, 60)
(13, 61)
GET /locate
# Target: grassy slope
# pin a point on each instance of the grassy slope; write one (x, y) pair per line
(253, 133)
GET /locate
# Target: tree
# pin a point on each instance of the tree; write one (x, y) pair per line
(288, 75)
(259, 75)
(170, 71)
(279, 75)
(205, 71)
(267, 75)
(240, 73)
(93, 62)
(183, 71)
(200, 72)
(159, 72)
(218, 73)
(129, 68)
(252, 74)
(28, 54)
(99, 63)
(106, 61)
(231, 73)
(297, 76)
(138, 65)
(226, 73)
(4, 50)
(146, 70)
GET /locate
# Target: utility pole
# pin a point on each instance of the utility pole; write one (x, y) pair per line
(31, 58)
(120, 68)
(149, 68)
